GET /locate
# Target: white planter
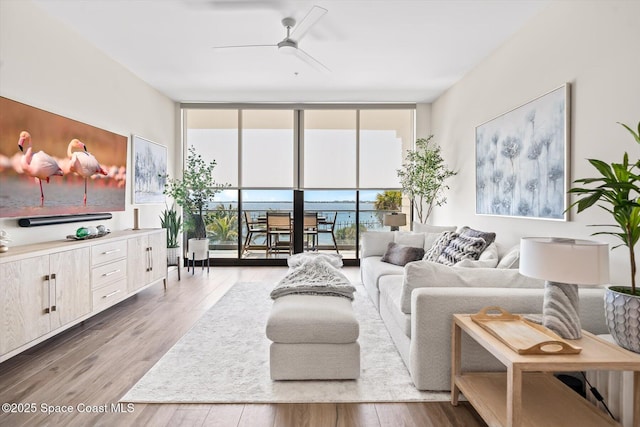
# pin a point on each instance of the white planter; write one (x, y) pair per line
(198, 249)
(173, 255)
(622, 313)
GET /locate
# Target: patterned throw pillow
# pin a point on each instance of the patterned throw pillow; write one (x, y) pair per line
(462, 247)
(470, 232)
(438, 246)
(401, 254)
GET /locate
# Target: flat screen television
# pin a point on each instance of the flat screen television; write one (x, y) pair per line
(96, 167)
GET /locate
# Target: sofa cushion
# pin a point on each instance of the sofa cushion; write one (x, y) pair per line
(488, 259)
(511, 259)
(423, 274)
(409, 238)
(401, 254)
(373, 268)
(426, 228)
(374, 243)
(390, 296)
(439, 245)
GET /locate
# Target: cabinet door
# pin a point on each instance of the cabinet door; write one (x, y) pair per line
(71, 286)
(24, 297)
(158, 245)
(137, 263)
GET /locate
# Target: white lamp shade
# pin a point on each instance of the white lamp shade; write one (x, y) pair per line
(561, 260)
(395, 219)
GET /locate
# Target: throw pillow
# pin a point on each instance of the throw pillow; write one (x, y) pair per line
(488, 259)
(511, 259)
(401, 254)
(408, 238)
(488, 237)
(430, 239)
(438, 246)
(426, 228)
(462, 247)
(298, 259)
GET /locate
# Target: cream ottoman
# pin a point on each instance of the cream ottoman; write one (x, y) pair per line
(314, 338)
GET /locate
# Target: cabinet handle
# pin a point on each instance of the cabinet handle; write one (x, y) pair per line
(151, 261)
(47, 279)
(148, 259)
(113, 251)
(111, 272)
(109, 295)
(55, 292)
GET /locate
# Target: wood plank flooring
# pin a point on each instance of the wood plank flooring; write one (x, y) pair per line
(95, 363)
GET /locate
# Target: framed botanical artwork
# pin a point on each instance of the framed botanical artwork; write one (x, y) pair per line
(522, 160)
(149, 165)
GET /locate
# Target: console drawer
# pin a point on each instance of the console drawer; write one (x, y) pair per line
(109, 295)
(108, 251)
(114, 271)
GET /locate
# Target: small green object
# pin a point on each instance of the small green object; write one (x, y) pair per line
(82, 232)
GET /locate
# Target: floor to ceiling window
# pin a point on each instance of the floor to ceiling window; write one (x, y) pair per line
(342, 160)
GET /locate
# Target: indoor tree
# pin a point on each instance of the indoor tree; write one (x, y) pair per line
(194, 191)
(423, 177)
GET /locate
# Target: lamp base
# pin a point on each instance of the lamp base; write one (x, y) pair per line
(560, 310)
(395, 228)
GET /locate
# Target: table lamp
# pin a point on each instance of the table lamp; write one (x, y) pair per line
(564, 264)
(395, 220)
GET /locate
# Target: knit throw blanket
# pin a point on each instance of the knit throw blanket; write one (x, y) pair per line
(314, 277)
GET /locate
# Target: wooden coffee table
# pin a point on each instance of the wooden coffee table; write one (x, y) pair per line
(528, 394)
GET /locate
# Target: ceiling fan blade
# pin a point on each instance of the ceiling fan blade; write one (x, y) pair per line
(307, 22)
(311, 60)
(244, 45)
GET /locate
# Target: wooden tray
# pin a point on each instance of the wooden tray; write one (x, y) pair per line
(521, 335)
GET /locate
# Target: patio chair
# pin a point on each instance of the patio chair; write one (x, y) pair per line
(311, 230)
(254, 228)
(278, 232)
(328, 226)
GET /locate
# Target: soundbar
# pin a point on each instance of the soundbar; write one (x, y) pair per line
(37, 221)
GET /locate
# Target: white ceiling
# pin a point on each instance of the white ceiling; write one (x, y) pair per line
(377, 50)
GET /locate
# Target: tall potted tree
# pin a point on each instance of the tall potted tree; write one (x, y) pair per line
(617, 191)
(194, 192)
(422, 177)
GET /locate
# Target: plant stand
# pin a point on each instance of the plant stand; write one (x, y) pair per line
(198, 250)
(173, 259)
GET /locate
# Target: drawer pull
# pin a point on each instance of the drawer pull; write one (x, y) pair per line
(111, 294)
(113, 251)
(111, 272)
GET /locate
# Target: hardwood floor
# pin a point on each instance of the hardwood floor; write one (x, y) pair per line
(95, 363)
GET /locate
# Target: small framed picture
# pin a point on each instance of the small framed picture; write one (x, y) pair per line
(149, 167)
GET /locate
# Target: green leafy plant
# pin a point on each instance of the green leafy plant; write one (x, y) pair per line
(194, 191)
(389, 200)
(170, 220)
(423, 175)
(223, 223)
(616, 192)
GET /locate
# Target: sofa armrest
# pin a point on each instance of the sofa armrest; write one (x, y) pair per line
(374, 243)
(432, 314)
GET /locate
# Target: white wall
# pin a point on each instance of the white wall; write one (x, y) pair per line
(46, 65)
(593, 45)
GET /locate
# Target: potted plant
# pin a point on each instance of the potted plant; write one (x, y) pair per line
(193, 193)
(617, 191)
(422, 177)
(170, 220)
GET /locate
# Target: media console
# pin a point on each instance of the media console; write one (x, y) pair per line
(49, 287)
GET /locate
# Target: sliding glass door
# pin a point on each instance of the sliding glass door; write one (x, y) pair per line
(332, 171)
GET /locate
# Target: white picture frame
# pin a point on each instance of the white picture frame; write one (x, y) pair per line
(149, 167)
(522, 160)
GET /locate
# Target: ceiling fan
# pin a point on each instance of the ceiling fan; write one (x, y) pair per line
(295, 32)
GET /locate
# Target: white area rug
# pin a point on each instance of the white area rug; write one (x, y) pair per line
(224, 358)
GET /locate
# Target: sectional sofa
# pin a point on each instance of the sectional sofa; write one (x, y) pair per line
(416, 302)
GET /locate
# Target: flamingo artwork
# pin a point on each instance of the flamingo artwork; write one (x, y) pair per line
(83, 163)
(39, 165)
